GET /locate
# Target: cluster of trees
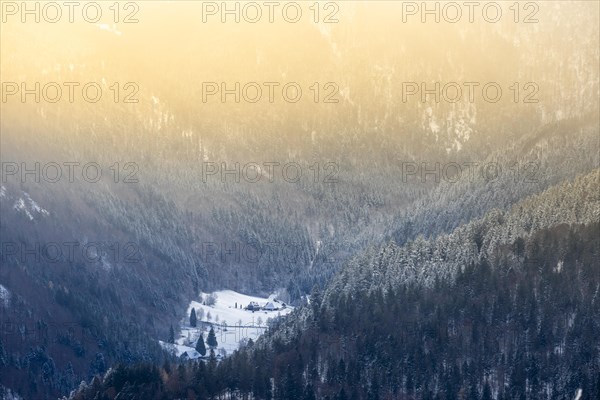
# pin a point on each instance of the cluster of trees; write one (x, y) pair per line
(88, 292)
(211, 341)
(168, 139)
(523, 331)
(424, 261)
(501, 178)
(517, 318)
(152, 292)
(526, 332)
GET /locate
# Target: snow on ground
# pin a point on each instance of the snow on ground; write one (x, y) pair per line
(35, 206)
(232, 323)
(179, 350)
(8, 394)
(29, 207)
(4, 296)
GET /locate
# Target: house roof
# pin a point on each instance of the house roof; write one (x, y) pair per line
(192, 354)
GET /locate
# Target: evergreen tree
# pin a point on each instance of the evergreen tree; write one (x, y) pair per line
(69, 377)
(315, 299)
(309, 393)
(167, 367)
(193, 319)
(487, 392)
(211, 341)
(200, 347)
(213, 357)
(2, 356)
(171, 335)
(290, 385)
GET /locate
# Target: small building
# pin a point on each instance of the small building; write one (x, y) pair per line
(189, 355)
(270, 307)
(253, 306)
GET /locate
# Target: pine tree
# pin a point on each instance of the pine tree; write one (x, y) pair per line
(2, 355)
(193, 319)
(211, 341)
(487, 392)
(309, 393)
(200, 347)
(171, 335)
(167, 367)
(69, 376)
(315, 297)
(315, 302)
(290, 387)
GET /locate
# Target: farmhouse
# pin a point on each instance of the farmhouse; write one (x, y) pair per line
(190, 355)
(253, 306)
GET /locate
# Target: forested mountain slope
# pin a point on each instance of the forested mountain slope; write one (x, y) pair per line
(424, 261)
(505, 307)
(541, 158)
(168, 231)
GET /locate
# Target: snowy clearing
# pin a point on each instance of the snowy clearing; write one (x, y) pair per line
(232, 321)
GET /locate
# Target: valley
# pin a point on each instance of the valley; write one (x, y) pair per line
(233, 321)
(342, 207)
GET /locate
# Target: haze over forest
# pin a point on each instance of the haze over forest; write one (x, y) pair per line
(408, 191)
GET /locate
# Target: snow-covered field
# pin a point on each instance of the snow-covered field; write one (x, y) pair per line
(232, 323)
